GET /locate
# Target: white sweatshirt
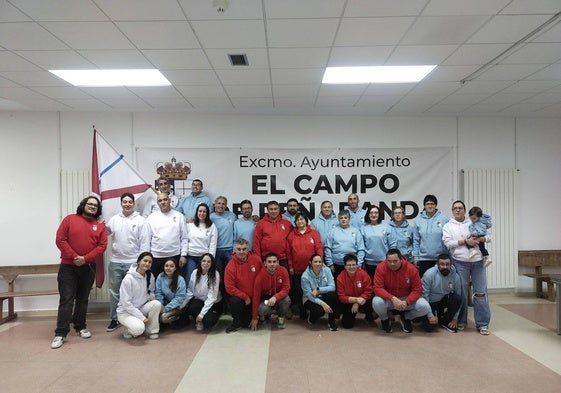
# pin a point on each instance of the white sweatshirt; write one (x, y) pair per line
(201, 239)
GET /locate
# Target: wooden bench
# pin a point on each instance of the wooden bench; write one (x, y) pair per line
(538, 259)
(10, 273)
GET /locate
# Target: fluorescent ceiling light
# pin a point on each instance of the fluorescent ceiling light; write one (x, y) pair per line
(134, 77)
(376, 74)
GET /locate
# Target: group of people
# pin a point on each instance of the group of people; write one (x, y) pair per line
(186, 262)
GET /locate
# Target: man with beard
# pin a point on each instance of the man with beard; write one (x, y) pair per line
(271, 233)
(81, 238)
(356, 214)
(291, 210)
(442, 289)
(244, 227)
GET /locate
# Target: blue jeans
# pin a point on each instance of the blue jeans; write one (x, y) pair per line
(223, 256)
(416, 309)
(117, 271)
(189, 268)
(478, 274)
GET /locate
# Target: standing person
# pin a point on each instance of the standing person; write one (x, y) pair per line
(442, 288)
(271, 233)
(319, 297)
(80, 239)
(356, 214)
(401, 233)
(354, 289)
(427, 235)
(244, 227)
(171, 291)
(202, 237)
(270, 293)
(292, 208)
(204, 301)
(239, 279)
(130, 238)
(397, 286)
(151, 204)
(325, 221)
(457, 237)
(343, 239)
(224, 221)
(377, 241)
(138, 310)
(188, 205)
(168, 239)
(302, 242)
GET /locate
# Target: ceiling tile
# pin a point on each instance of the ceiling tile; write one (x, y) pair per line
(9, 13)
(535, 53)
(391, 89)
(444, 88)
(28, 36)
(60, 10)
(34, 78)
(507, 29)
(298, 57)
(202, 91)
(257, 58)
(155, 92)
(190, 77)
(57, 59)
(370, 8)
(532, 7)
(238, 9)
(462, 7)
(342, 90)
(116, 58)
(244, 77)
(63, 92)
(552, 72)
(230, 33)
(514, 72)
(141, 9)
(420, 54)
(372, 31)
(238, 91)
(297, 9)
(450, 73)
(12, 62)
(177, 59)
(169, 104)
(294, 76)
(301, 32)
(359, 56)
(529, 86)
(475, 54)
(442, 30)
(483, 87)
(160, 35)
(89, 35)
(299, 90)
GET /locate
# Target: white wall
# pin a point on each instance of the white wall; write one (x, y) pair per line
(37, 145)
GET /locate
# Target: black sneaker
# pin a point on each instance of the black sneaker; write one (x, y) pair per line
(386, 325)
(232, 328)
(406, 325)
(114, 324)
(332, 325)
(451, 330)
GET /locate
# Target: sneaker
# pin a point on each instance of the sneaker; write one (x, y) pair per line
(114, 324)
(154, 336)
(406, 325)
(57, 342)
(472, 253)
(332, 325)
(488, 261)
(232, 328)
(309, 315)
(289, 314)
(84, 333)
(451, 330)
(281, 324)
(386, 325)
(127, 335)
(484, 331)
(199, 326)
(461, 326)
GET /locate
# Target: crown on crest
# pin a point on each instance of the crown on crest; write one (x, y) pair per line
(174, 170)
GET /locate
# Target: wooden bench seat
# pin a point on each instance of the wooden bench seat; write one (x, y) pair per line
(10, 273)
(538, 259)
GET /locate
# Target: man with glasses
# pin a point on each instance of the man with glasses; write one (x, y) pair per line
(167, 234)
(188, 205)
(81, 238)
(244, 227)
(442, 288)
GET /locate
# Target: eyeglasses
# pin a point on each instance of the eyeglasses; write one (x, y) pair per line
(163, 200)
(458, 208)
(92, 204)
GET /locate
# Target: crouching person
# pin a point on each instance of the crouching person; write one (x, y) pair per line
(397, 286)
(138, 311)
(270, 292)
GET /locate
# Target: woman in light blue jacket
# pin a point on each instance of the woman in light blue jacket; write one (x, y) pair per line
(171, 291)
(319, 297)
(401, 233)
(377, 241)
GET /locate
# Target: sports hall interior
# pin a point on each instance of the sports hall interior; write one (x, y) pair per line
(494, 100)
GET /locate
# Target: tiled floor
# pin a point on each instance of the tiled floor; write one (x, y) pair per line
(522, 354)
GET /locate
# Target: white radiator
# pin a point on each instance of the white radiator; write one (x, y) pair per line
(74, 186)
(496, 192)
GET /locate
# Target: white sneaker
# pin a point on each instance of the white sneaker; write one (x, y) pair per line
(488, 261)
(127, 335)
(84, 333)
(57, 342)
(154, 336)
(199, 326)
(484, 331)
(472, 252)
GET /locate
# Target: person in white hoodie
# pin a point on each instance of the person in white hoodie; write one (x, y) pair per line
(202, 237)
(138, 310)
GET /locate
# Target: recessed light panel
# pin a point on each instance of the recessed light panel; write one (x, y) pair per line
(376, 74)
(99, 78)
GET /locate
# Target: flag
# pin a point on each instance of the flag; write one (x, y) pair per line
(111, 177)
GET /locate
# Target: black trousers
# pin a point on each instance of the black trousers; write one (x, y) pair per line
(210, 319)
(241, 313)
(316, 311)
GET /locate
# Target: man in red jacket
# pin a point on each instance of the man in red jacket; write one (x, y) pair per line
(271, 233)
(239, 279)
(270, 292)
(80, 239)
(397, 286)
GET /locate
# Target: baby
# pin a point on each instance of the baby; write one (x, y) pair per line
(480, 222)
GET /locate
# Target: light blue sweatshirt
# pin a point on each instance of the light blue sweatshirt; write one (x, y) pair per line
(341, 242)
(324, 281)
(170, 300)
(427, 236)
(325, 225)
(402, 237)
(188, 205)
(377, 242)
(243, 229)
(225, 226)
(479, 228)
(436, 286)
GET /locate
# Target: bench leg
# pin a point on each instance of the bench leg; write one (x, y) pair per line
(550, 291)
(11, 314)
(539, 288)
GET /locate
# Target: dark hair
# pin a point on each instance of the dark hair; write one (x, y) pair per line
(162, 177)
(246, 201)
(367, 215)
(149, 272)
(430, 198)
(442, 256)
(312, 258)
(394, 251)
(459, 201)
(270, 203)
(324, 202)
(298, 215)
(342, 213)
(127, 194)
(271, 254)
(197, 180)
(174, 276)
(82, 206)
(349, 257)
(211, 272)
(475, 211)
(292, 200)
(208, 221)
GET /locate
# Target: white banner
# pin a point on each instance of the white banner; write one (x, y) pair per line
(384, 177)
